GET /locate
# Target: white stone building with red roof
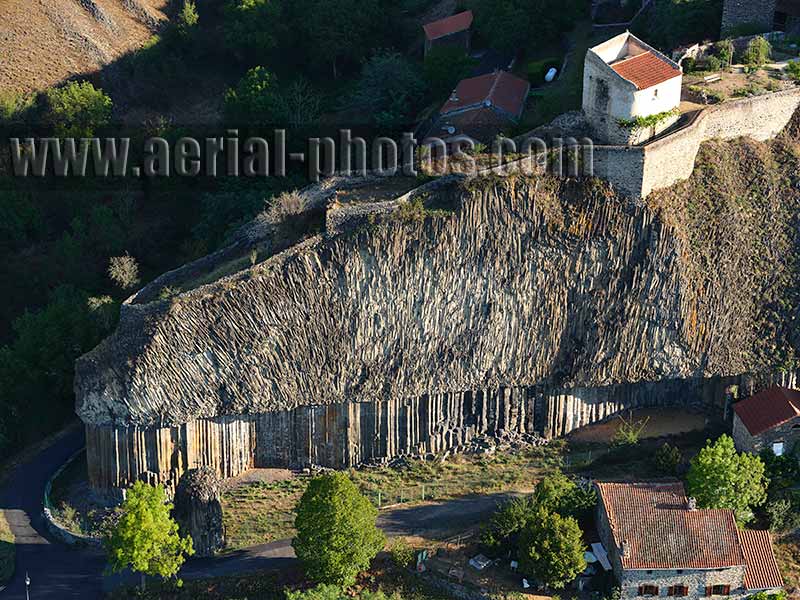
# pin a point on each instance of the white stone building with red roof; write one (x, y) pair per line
(625, 79)
(660, 545)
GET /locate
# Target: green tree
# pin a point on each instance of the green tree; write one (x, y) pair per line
(146, 538)
(758, 52)
(724, 50)
(551, 549)
(444, 67)
(336, 533)
(502, 532)
(390, 88)
(719, 477)
(252, 28)
(667, 460)
(187, 18)
(78, 109)
(256, 99)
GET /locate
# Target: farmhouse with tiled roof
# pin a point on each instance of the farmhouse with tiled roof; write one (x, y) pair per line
(624, 79)
(769, 419)
(451, 31)
(661, 545)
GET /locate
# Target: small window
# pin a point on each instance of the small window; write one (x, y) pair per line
(777, 448)
(720, 590)
(648, 590)
(678, 590)
(679, 571)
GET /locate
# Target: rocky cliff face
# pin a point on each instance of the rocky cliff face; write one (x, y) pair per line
(468, 284)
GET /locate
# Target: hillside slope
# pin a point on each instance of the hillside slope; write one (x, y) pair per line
(500, 282)
(46, 41)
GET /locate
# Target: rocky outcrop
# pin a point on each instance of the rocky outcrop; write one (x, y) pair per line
(198, 510)
(554, 302)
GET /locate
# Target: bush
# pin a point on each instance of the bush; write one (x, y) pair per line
(667, 460)
(187, 18)
(782, 515)
(758, 52)
(78, 109)
(537, 69)
(724, 50)
(712, 63)
(390, 89)
(336, 533)
(402, 553)
(689, 64)
(13, 107)
(793, 70)
(629, 430)
(444, 67)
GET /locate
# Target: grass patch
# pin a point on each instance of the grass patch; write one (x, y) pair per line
(257, 513)
(8, 552)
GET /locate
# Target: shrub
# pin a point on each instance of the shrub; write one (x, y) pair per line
(793, 70)
(444, 67)
(724, 50)
(187, 18)
(78, 109)
(390, 89)
(13, 107)
(782, 515)
(667, 460)
(629, 430)
(402, 553)
(124, 271)
(336, 533)
(713, 63)
(758, 52)
(689, 64)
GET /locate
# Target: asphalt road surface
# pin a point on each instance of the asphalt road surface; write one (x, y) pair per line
(61, 572)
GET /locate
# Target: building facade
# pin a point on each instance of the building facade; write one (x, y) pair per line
(768, 420)
(660, 545)
(625, 80)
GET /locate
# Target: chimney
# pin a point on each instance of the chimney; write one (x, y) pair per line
(625, 549)
(692, 503)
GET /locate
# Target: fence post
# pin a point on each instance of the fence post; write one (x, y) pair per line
(423, 492)
(379, 498)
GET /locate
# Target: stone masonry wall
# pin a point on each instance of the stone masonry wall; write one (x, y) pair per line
(695, 579)
(788, 433)
(670, 159)
(736, 13)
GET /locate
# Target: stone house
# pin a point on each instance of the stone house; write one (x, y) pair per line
(769, 419)
(453, 31)
(625, 79)
(766, 15)
(660, 545)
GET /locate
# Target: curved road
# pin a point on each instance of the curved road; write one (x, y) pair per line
(61, 572)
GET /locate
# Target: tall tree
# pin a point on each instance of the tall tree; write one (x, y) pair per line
(336, 533)
(719, 477)
(146, 538)
(551, 549)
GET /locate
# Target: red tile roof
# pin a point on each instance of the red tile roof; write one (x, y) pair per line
(768, 409)
(660, 531)
(646, 70)
(501, 89)
(448, 26)
(761, 571)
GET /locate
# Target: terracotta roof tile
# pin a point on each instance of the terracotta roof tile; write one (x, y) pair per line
(660, 531)
(501, 89)
(645, 70)
(448, 26)
(770, 408)
(761, 570)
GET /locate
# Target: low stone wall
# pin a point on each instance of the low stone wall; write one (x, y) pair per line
(58, 531)
(636, 171)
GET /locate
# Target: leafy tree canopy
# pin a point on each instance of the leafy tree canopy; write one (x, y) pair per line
(146, 538)
(336, 533)
(390, 88)
(551, 549)
(444, 67)
(78, 109)
(719, 477)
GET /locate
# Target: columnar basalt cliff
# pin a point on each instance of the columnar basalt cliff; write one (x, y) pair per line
(461, 307)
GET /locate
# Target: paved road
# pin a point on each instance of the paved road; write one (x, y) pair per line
(60, 572)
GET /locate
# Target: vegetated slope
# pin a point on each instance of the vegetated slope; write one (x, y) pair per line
(521, 281)
(46, 41)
